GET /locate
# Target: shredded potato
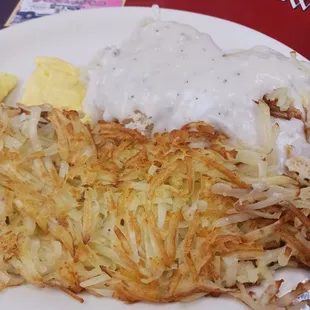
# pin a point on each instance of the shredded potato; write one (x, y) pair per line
(112, 212)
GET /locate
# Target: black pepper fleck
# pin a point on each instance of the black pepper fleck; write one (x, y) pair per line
(178, 94)
(157, 30)
(132, 96)
(116, 53)
(114, 68)
(196, 98)
(238, 73)
(225, 81)
(7, 220)
(122, 222)
(182, 51)
(186, 82)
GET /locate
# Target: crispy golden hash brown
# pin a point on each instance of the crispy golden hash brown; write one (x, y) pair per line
(111, 212)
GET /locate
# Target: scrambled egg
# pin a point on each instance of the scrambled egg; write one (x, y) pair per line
(7, 84)
(54, 82)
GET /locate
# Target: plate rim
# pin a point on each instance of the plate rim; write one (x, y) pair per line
(50, 19)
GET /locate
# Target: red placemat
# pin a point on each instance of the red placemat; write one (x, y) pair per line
(288, 21)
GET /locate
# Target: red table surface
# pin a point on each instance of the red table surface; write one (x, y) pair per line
(288, 21)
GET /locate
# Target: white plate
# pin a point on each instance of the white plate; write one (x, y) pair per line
(76, 37)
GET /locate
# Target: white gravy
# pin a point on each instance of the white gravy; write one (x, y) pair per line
(175, 75)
